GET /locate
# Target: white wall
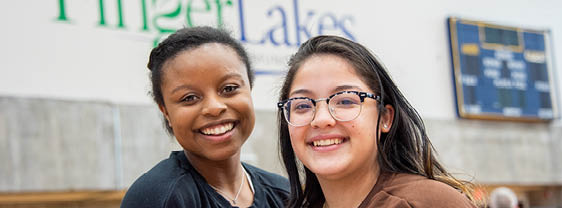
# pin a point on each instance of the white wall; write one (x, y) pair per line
(80, 60)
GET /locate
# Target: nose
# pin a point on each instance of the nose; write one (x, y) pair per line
(322, 117)
(213, 106)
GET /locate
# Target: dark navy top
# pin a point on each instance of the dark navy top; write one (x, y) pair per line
(175, 183)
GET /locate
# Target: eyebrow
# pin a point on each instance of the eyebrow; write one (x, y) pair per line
(181, 87)
(300, 91)
(232, 75)
(337, 89)
(346, 87)
(225, 77)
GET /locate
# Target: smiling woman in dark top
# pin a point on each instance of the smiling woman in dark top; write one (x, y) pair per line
(201, 81)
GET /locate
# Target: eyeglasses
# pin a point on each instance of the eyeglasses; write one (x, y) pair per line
(343, 106)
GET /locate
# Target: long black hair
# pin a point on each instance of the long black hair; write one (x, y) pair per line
(187, 39)
(404, 149)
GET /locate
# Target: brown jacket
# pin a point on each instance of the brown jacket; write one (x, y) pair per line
(408, 190)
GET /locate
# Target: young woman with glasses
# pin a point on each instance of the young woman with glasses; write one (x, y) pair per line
(201, 81)
(347, 128)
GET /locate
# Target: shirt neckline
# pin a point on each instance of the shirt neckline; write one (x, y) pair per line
(185, 164)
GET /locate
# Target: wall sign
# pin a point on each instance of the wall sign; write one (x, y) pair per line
(501, 72)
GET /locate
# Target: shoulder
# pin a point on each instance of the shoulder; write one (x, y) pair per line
(159, 185)
(420, 191)
(267, 179)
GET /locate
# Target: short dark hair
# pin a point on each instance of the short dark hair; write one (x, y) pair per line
(187, 39)
(404, 149)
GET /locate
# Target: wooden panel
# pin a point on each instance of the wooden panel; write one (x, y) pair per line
(78, 199)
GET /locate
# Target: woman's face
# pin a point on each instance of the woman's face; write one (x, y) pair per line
(346, 146)
(207, 101)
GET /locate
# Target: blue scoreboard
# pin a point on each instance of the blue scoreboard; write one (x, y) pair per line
(501, 72)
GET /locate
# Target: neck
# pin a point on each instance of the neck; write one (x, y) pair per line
(226, 177)
(224, 174)
(351, 190)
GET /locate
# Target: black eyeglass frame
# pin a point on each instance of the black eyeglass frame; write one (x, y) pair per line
(362, 96)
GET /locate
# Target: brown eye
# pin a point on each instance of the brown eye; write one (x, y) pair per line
(229, 89)
(190, 99)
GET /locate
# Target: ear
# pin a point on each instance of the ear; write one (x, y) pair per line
(165, 113)
(387, 118)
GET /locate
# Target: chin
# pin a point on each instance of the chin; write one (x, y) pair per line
(218, 157)
(216, 154)
(224, 153)
(327, 171)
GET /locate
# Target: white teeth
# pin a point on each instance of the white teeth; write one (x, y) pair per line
(219, 129)
(327, 142)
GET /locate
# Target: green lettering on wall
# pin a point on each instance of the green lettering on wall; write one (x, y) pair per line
(102, 14)
(62, 11)
(190, 10)
(161, 29)
(219, 11)
(120, 11)
(207, 8)
(144, 16)
(102, 22)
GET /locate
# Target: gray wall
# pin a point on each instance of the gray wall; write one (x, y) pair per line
(496, 152)
(48, 144)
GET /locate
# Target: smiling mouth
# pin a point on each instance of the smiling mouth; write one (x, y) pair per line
(327, 142)
(217, 130)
